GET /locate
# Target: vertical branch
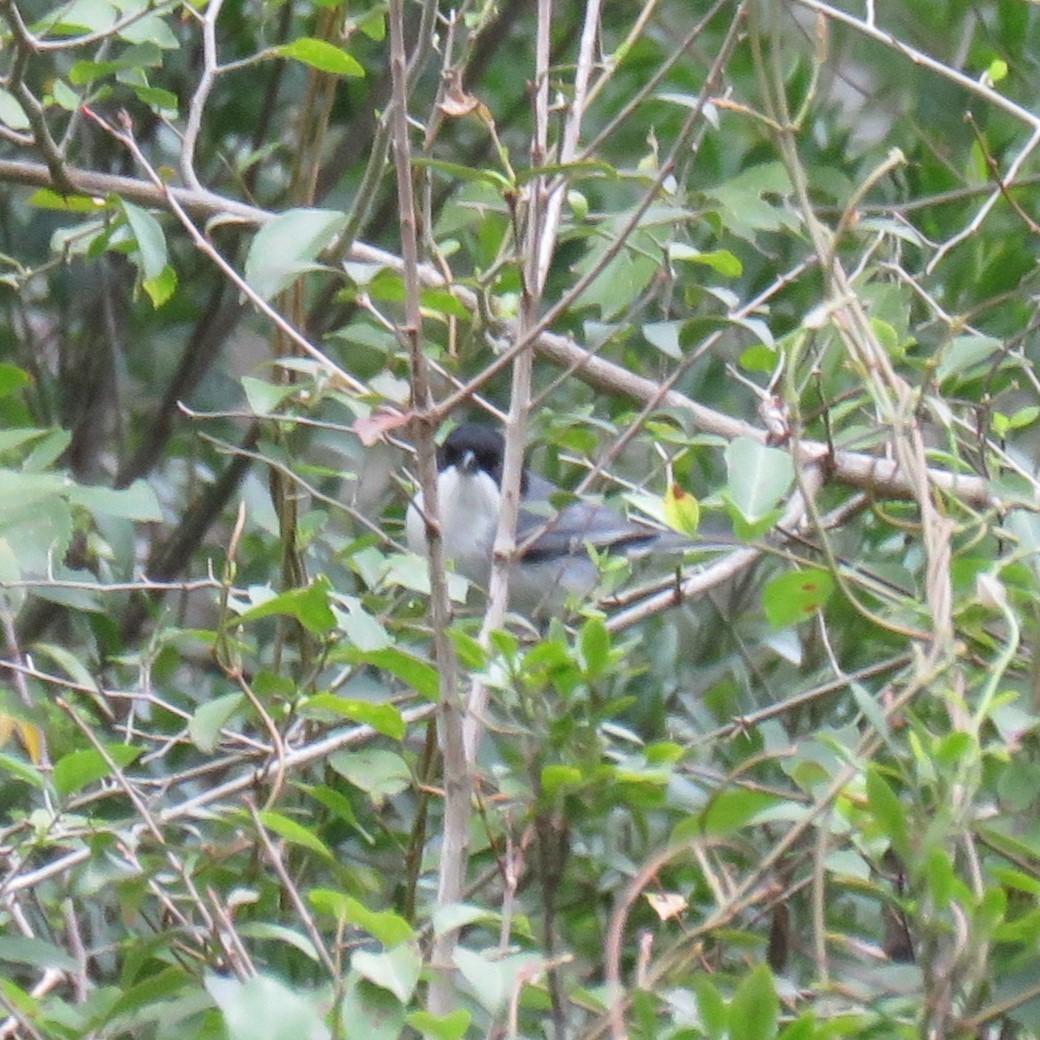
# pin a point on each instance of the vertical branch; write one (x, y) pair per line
(571, 134)
(520, 387)
(193, 124)
(538, 240)
(457, 783)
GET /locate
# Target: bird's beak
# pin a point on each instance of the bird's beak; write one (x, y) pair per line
(469, 462)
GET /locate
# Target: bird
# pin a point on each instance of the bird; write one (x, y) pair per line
(553, 561)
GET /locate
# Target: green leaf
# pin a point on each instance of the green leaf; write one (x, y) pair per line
(19, 949)
(451, 1026)
(1021, 418)
(149, 29)
(472, 655)
(372, 24)
(383, 718)
(84, 73)
(340, 805)
(277, 933)
(454, 916)
(77, 769)
(941, 878)
(442, 303)
(148, 234)
(369, 1012)
(1017, 879)
(494, 980)
(867, 703)
(288, 246)
(47, 450)
(889, 812)
(25, 489)
(37, 531)
(759, 476)
(578, 170)
(964, 354)
(419, 674)
(13, 379)
(68, 662)
(386, 926)
(396, 970)
(263, 1008)
(755, 1008)
(266, 398)
(594, 639)
(558, 778)
(711, 1007)
(732, 809)
(65, 96)
(758, 328)
(721, 260)
(802, 1028)
(294, 833)
(322, 56)
(456, 171)
(152, 990)
(18, 769)
(953, 747)
(11, 112)
(137, 502)
(380, 774)
(624, 276)
(309, 605)
(363, 630)
(17, 438)
(162, 102)
(665, 336)
(10, 572)
(796, 595)
(747, 200)
(161, 288)
(209, 718)
(681, 511)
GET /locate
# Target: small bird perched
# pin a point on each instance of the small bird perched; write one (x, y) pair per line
(554, 558)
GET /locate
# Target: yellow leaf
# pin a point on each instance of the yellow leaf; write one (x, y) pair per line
(29, 735)
(681, 510)
(32, 740)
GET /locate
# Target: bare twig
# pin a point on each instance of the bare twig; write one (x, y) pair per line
(457, 780)
(193, 123)
(274, 857)
(248, 780)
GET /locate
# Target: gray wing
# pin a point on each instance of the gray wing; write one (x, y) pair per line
(569, 530)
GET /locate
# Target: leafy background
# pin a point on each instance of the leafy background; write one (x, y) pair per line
(789, 275)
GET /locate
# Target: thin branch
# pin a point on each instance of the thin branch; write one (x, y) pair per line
(190, 807)
(303, 913)
(193, 123)
(457, 781)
